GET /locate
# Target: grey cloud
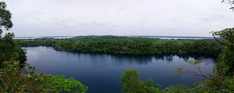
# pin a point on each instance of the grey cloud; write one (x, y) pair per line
(118, 17)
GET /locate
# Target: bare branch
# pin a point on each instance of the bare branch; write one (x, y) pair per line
(228, 1)
(194, 73)
(14, 86)
(211, 74)
(221, 42)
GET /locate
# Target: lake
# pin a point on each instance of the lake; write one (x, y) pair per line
(102, 72)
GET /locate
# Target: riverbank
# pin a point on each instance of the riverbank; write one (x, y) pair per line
(129, 45)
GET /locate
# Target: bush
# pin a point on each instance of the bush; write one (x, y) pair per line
(14, 77)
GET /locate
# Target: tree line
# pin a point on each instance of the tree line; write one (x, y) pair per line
(129, 45)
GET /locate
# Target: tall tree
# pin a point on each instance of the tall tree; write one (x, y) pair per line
(131, 82)
(225, 66)
(5, 18)
(8, 49)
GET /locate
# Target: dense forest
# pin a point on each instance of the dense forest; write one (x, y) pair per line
(128, 45)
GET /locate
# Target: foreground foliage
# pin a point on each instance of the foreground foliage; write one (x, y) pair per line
(132, 84)
(9, 50)
(5, 17)
(69, 85)
(222, 78)
(13, 78)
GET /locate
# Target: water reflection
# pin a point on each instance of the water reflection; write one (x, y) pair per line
(141, 59)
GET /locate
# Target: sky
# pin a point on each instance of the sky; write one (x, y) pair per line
(119, 17)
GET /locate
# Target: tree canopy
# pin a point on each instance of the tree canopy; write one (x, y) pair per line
(225, 65)
(132, 84)
(9, 50)
(5, 17)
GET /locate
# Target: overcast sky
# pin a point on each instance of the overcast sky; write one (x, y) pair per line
(119, 17)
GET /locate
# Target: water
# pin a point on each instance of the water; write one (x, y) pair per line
(102, 72)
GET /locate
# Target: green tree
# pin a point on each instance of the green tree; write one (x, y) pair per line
(130, 81)
(225, 65)
(67, 85)
(178, 88)
(151, 87)
(132, 84)
(5, 17)
(149, 82)
(9, 50)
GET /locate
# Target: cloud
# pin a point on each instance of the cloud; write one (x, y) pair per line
(119, 17)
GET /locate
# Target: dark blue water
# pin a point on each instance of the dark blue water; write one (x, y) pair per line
(102, 72)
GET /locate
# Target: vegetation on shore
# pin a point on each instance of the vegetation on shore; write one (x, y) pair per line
(129, 45)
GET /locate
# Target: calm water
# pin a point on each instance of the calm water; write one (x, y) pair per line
(102, 72)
